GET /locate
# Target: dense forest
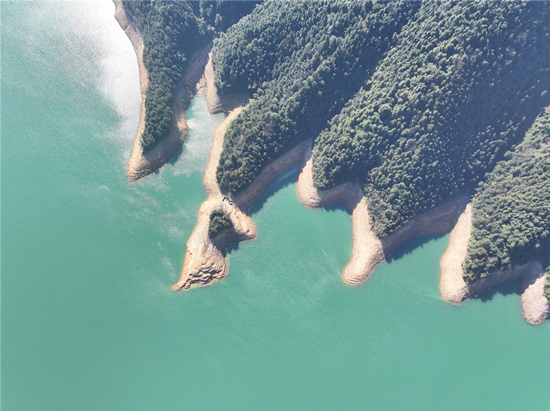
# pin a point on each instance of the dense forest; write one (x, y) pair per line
(304, 61)
(172, 31)
(511, 208)
(219, 220)
(417, 101)
(446, 102)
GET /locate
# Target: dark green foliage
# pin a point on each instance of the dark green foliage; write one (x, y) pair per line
(222, 14)
(457, 90)
(511, 220)
(443, 105)
(219, 220)
(172, 31)
(309, 58)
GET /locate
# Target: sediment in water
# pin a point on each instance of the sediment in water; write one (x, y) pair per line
(205, 257)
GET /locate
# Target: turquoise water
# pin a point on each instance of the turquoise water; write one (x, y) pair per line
(88, 318)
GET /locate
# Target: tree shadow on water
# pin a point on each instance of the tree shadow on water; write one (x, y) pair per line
(413, 244)
(339, 206)
(172, 160)
(509, 287)
(285, 180)
(290, 177)
(231, 247)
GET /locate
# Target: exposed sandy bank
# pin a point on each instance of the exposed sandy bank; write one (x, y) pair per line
(452, 286)
(140, 163)
(205, 262)
(219, 103)
(534, 303)
(137, 42)
(454, 289)
(349, 193)
(368, 249)
(205, 257)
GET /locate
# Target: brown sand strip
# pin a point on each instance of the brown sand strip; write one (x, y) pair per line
(534, 303)
(219, 103)
(452, 286)
(205, 258)
(454, 289)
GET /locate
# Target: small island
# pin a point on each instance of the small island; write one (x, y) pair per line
(420, 117)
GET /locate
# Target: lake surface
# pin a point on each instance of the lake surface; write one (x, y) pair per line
(89, 321)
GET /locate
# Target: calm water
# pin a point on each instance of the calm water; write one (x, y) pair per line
(88, 318)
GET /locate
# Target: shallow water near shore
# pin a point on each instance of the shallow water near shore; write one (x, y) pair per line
(89, 321)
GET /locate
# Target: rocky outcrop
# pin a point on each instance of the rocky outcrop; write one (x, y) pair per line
(368, 249)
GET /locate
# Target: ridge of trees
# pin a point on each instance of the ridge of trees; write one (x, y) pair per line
(304, 60)
(458, 89)
(172, 31)
(416, 101)
(511, 209)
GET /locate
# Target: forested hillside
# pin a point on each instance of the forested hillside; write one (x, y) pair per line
(305, 60)
(461, 86)
(433, 94)
(172, 31)
(511, 209)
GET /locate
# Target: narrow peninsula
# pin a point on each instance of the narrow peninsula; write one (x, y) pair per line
(172, 41)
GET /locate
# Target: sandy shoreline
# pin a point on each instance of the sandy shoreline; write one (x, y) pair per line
(452, 286)
(454, 289)
(205, 261)
(205, 258)
(219, 103)
(140, 163)
(534, 304)
(368, 249)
